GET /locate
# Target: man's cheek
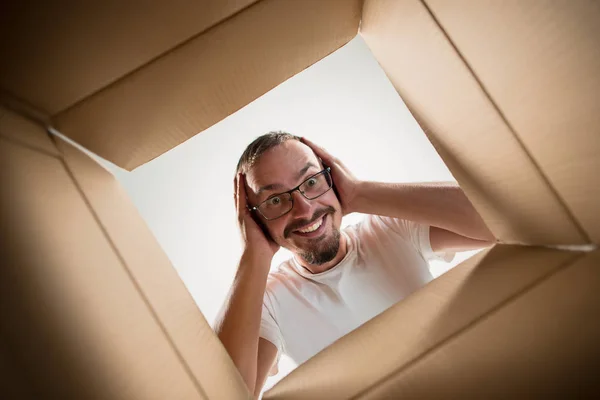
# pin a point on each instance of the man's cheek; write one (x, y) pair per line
(276, 231)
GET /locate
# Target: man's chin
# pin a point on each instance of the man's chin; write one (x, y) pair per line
(323, 250)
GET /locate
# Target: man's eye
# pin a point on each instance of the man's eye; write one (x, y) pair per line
(274, 201)
(311, 182)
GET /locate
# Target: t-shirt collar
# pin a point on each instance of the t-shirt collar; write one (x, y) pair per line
(306, 273)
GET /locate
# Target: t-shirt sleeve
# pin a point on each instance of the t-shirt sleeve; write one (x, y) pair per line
(415, 233)
(269, 330)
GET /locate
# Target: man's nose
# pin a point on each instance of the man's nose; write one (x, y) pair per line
(302, 206)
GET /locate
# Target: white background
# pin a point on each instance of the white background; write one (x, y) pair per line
(344, 103)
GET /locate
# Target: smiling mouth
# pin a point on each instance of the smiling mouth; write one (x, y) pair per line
(295, 229)
(314, 229)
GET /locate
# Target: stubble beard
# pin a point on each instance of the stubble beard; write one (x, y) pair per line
(324, 250)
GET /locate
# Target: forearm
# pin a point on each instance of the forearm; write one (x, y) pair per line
(436, 204)
(239, 326)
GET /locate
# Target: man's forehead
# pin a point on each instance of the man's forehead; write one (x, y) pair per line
(280, 165)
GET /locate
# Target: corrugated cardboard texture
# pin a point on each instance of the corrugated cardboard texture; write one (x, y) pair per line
(62, 52)
(555, 111)
(450, 308)
(543, 344)
(22, 108)
(18, 129)
(130, 85)
(90, 306)
(481, 147)
(210, 77)
(13, 383)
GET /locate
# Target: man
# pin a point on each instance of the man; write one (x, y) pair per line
(292, 193)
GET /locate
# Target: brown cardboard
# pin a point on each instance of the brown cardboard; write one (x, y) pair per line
(19, 129)
(129, 92)
(82, 47)
(480, 147)
(157, 281)
(507, 92)
(555, 112)
(91, 307)
(446, 308)
(542, 344)
(13, 383)
(22, 108)
(210, 77)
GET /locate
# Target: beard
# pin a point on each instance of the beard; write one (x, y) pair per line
(318, 251)
(323, 251)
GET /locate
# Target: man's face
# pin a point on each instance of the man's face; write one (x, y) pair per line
(280, 169)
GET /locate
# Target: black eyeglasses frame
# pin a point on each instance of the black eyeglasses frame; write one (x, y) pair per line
(325, 170)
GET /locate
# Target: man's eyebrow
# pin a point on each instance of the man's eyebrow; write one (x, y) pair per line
(269, 187)
(279, 185)
(304, 169)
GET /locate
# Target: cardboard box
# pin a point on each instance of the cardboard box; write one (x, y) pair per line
(91, 307)
(506, 91)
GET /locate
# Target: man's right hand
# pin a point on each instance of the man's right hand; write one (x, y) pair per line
(254, 241)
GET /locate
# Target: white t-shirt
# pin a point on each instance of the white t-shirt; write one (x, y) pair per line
(386, 261)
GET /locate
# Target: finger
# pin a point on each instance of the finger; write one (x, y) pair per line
(235, 190)
(319, 151)
(241, 194)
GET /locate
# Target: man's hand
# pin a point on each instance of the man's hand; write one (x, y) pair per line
(254, 240)
(345, 182)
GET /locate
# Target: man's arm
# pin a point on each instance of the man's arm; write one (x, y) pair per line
(238, 327)
(455, 223)
(442, 240)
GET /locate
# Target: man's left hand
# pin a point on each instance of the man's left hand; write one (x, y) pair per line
(345, 182)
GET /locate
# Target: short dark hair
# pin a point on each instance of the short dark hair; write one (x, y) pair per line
(261, 144)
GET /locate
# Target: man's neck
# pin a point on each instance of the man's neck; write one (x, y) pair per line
(317, 269)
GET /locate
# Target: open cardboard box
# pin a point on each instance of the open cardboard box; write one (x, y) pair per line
(508, 93)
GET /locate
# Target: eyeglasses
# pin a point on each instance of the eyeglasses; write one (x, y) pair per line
(280, 204)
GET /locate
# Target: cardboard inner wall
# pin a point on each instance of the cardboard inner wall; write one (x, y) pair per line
(518, 185)
(541, 344)
(91, 307)
(135, 111)
(85, 46)
(549, 52)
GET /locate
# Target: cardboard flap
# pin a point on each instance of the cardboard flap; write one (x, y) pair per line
(25, 132)
(472, 135)
(440, 311)
(158, 282)
(540, 63)
(55, 54)
(91, 307)
(208, 78)
(542, 344)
